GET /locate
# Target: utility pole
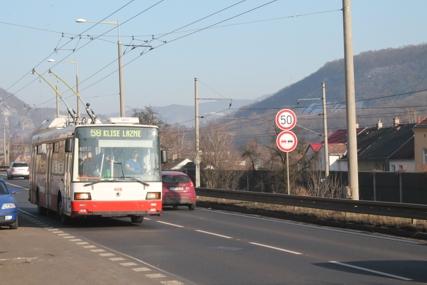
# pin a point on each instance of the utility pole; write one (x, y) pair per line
(325, 130)
(121, 91)
(197, 134)
(353, 175)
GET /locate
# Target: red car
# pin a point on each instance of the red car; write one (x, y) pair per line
(178, 189)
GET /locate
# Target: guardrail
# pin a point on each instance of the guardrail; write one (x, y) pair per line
(414, 211)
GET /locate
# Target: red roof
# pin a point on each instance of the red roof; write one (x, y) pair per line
(316, 146)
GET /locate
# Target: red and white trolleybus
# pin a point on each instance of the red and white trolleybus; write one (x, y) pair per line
(108, 170)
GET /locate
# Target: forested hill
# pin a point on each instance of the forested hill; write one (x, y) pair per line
(377, 74)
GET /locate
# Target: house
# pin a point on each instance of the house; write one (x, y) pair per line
(420, 146)
(387, 148)
(379, 148)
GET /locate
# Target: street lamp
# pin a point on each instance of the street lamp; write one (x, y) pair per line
(119, 59)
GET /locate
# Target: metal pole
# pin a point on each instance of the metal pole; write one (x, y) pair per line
(57, 100)
(77, 93)
(287, 174)
(121, 92)
(197, 134)
(325, 130)
(351, 104)
(4, 139)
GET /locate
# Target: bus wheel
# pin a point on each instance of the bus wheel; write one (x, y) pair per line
(136, 219)
(62, 217)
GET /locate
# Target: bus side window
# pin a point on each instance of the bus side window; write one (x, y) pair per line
(69, 145)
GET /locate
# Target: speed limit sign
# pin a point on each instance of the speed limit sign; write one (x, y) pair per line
(286, 119)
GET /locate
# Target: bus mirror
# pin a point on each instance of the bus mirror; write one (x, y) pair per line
(69, 145)
(164, 156)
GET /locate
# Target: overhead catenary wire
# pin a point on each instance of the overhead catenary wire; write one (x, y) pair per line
(65, 44)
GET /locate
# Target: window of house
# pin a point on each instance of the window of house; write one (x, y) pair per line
(425, 156)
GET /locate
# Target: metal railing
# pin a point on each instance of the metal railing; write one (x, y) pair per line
(403, 210)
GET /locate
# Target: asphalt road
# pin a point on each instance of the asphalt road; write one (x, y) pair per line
(215, 247)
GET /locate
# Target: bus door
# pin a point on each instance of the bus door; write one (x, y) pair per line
(49, 191)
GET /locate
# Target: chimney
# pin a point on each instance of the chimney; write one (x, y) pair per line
(379, 124)
(396, 121)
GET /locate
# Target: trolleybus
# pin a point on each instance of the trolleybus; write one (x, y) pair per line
(86, 170)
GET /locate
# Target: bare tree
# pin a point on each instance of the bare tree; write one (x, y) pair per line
(218, 158)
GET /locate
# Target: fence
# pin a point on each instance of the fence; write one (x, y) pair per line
(373, 186)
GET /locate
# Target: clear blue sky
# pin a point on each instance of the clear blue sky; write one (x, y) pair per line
(249, 56)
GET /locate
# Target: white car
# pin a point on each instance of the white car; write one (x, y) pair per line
(18, 169)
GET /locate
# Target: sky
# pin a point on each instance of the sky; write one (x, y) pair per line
(237, 49)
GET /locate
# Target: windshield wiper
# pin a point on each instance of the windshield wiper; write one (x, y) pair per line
(137, 180)
(100, 181)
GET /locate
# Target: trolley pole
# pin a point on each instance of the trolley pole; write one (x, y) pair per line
(350, 102)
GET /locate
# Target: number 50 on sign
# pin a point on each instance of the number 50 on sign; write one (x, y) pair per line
(286, 119)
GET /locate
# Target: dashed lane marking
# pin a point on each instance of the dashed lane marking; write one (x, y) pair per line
(76, 239)
(370, 270)
(170, 224)
(98, 250)
(89, 246)
(171, 282)
(155, 275)
(276, 248)
(107, 254)
(82, 243)
(213, 234)
(117, 259)
(128, 264)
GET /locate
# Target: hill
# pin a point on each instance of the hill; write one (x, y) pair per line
(389, 82)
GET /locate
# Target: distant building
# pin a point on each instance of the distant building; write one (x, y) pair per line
(420, 149)
(398, 148)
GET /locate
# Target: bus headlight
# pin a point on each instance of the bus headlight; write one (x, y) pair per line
(82, 196)
(153, 196)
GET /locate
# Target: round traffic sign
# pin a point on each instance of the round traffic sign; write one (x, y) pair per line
(286, 141)
(286, 119)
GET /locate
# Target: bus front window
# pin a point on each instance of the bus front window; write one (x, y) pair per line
(109, 152)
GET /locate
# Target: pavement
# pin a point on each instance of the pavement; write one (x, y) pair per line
(37, 253)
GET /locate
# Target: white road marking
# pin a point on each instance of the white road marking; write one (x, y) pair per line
(155, 275)
(18, 186)
(98, 250)
(107, 254)
(76, 239)
(64, 235)
(141, 269)
(128, 264)
(370, 270)
(69, 237)
(57, 232)
(52, 229)
(89, 246)
(312, 226)
(170, 224)
(276, 248)
(172, 282)
(213, 234)
(82, 243)
(117, 259)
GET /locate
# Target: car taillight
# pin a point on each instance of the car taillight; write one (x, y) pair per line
(82, 196)
(153, 196)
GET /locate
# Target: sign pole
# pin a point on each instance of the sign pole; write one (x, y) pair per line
(287, 174)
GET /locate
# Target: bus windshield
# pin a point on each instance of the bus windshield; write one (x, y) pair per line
(117, 153)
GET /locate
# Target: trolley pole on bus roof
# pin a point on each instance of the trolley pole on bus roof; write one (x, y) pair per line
(351, 103)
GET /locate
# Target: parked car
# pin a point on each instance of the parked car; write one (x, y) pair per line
(8, 211)
(18, 169)
(178, 189)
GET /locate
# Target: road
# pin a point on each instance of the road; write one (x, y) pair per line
(215, 247)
